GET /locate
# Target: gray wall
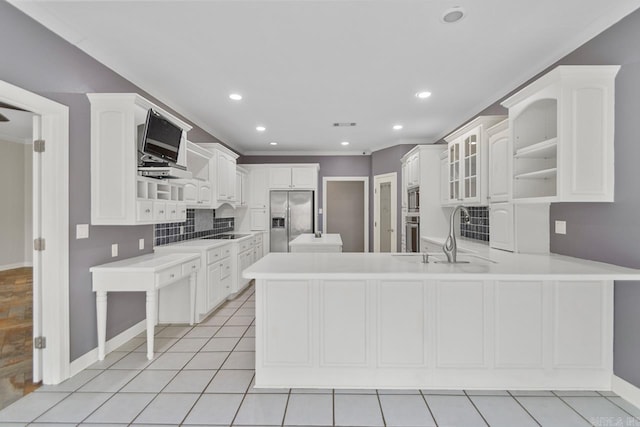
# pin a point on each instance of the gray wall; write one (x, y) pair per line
(388, 161)
(37, 60)
(610, 232)
(346, 213)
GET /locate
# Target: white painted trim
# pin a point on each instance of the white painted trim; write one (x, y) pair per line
(365, 181)
(391, 178)
(53, 265)
(91, 357)
(15, 265)
(307, 153)
(14, 139)
(625, 390)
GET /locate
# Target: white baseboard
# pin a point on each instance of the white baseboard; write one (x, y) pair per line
(16, 265)
(90, 357)
(626, 390)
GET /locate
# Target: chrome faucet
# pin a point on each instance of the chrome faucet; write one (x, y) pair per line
(450, 247)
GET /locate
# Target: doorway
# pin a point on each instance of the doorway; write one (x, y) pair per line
(385, 205)
(16, 255)
(346, 206)
(50, 265)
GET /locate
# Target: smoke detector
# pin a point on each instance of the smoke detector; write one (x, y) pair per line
(452, 15)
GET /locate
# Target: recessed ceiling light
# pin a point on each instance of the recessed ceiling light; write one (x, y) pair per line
(397, 127)
(423, 95)
(261, 128)
(235, 96)
(345, 143)
(452, 15)
(273, 143)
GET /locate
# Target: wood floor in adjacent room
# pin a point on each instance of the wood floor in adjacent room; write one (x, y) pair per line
(16, 337)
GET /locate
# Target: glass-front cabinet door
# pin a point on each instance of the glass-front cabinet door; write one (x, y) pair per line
(454, 171)
(470, 170)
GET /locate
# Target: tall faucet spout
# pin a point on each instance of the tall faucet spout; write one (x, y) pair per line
(450, 247)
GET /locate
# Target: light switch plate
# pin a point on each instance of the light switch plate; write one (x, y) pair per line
(561, 227)
(82, 231)
(114, 250)
(319, 211)
(141, 244)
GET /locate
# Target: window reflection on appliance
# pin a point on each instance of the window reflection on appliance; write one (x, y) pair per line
(413, 233)
(414, 199)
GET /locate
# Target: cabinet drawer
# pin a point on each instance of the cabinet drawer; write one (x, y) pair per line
(258, 239)
(225, 268)
(172, 211)
(213, 255)
(145, 210)
(159, 210)
(225, 251)
(169, 275)
(189, 267)
(244, 245)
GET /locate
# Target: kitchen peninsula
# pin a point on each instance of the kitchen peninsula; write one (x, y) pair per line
(372, 320)
(308, 242)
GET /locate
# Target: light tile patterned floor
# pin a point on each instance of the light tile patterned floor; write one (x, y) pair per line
(203, 375)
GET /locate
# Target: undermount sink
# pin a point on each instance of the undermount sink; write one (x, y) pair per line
(440, 258)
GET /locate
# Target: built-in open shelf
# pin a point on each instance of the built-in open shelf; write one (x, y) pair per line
(542, 150)
(540, 174)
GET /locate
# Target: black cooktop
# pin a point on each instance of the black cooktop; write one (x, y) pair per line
(226, 236)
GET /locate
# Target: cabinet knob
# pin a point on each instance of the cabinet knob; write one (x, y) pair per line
(173, 211)
(193, 267)
(161, 212)
(147, 210)
(172, 276)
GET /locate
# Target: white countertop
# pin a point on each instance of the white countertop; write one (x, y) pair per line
(148, 262)
(332, 239)
(506, 266)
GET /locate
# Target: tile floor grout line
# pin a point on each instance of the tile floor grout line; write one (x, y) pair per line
(384, 421)
(244, 396)
(630, 414)
(286, 406)
(428, 407)
(523, 408)
(572, 408)
(476, 408)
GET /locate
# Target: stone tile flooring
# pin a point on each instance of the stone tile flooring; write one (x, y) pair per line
(203, 375)
(16, 326)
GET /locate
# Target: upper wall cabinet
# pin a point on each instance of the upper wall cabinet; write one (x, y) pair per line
(499, 163)
(294, 177)
(468, 161)
(118, 195)
(222, 172)
(561, 130)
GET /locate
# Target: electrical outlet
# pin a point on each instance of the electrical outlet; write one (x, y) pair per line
(114, 250)
(141, 244)
(561, 227)
(182, 229)
(229, 224)
(82, 231)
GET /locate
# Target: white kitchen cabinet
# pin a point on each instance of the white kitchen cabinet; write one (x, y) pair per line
(294, 177)
(561, 128)
(159, 201)
(222, 167)
(444, 178)
(499, 163)
(197, 193)
(242, 187)
(501, 232)
(404, 186)
(258, 219)
(258, 187)
(413, 170)
(117, 190)
(468, 161)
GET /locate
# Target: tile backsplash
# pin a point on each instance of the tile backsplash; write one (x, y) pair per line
(478, 228)
(199, 223)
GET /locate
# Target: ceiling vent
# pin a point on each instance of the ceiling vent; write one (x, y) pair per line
(344, 124)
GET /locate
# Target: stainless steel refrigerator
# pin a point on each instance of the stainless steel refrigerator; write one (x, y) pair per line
(291, 215)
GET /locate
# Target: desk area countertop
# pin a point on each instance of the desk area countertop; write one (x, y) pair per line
(145, 273)
(309, 241)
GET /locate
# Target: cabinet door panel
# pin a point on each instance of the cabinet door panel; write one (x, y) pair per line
(499, 174)
(258, 219)
(213, 285)
(401, 323)
(204, 193)
(258, 187)
(460, 324)
(304, 178)
(191, 192)
(279, 177)
(501, 232)
(287, 322)
(344, 323)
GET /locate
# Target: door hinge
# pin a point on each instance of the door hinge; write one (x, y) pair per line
(38, 244)
(38, 146)
(39, 343)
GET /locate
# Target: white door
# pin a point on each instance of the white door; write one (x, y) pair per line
(385, 213)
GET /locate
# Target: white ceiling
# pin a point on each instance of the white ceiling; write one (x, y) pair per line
(303, 65)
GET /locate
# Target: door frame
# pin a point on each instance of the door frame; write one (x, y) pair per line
(51, 320)
(365, 182)
(391, 178)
